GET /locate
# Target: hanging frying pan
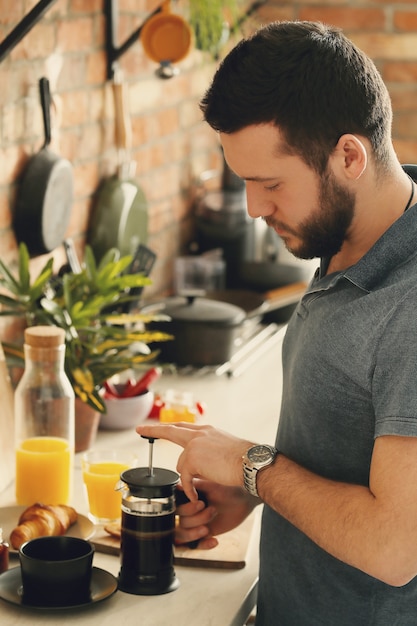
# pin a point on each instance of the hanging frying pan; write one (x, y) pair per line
(120, 216)
(45, 193)
(166, 38)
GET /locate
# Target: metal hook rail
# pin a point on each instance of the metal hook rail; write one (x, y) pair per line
(113, 51)
(24, 26)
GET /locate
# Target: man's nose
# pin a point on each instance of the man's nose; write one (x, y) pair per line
(258, 204)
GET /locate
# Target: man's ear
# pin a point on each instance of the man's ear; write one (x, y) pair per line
(350, 156)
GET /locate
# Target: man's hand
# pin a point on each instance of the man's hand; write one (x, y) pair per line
(208, 453)
(226, 508)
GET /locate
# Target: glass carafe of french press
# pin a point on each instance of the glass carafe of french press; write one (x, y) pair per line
(148, 526)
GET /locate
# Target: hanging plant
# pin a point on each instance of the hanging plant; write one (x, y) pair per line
(209, 20)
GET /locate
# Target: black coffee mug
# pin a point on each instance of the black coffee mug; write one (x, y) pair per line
(56, 571)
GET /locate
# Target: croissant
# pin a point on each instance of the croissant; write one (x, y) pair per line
(40, 520)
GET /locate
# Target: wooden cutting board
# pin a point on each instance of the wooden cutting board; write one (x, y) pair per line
(231, 552)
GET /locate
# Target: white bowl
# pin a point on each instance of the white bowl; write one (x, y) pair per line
(124, 413)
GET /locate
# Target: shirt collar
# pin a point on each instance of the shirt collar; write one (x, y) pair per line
(392, 249)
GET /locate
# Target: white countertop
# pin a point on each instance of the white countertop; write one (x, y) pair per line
(247, 406)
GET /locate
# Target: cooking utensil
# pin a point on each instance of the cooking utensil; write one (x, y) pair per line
(72, 257)
(254, 304)
(120, 217)
(166, 39)
(204, 330)
(142, 263)
(45, 194)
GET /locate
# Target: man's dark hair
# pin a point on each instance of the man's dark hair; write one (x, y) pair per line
(308, 79)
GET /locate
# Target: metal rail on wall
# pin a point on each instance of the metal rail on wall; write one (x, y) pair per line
(24, 26)
(110, 9)
(113, 51)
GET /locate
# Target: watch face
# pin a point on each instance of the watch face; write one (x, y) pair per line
(260, 454)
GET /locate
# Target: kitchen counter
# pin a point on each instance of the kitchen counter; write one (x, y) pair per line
(247, 406)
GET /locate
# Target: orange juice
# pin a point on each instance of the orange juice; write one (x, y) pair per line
(177, 414)
(178, 407)
(100, 480)
(43, 471)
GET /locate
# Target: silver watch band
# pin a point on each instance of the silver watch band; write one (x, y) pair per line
(249, 480)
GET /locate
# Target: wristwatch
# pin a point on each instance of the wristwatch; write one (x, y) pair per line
(256, 458)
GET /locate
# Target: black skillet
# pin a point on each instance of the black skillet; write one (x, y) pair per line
(45, 193)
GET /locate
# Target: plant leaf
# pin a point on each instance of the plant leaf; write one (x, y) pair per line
(24, 274)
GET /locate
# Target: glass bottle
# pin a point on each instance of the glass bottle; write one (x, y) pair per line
(44, 421)
(6, 425)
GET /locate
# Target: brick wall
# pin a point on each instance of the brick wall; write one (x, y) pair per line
(170, 143)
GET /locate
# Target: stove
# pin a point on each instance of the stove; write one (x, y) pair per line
(254, 340)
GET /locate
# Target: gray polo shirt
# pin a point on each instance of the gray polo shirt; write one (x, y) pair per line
(350, 375)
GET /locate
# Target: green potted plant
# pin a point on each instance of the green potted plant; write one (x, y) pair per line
(209, 20)
(100, 342)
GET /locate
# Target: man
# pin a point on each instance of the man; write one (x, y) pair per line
(304, 117)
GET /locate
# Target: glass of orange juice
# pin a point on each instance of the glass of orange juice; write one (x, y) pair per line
(101, 474)
(43, 471)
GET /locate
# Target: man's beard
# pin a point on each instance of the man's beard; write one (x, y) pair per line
(323, 233)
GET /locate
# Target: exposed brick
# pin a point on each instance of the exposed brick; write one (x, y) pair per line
(74, 108)
(354, 19)
(387, 46)
(96, 68)
(38, 43)
(79, 218)
(5, 209)
(85, 6)
(405, 125)
(11, 12)
(269, 13)
(405, 20)
(406, 150)
(400, 72)
(390, 3)
(86, 179)
(403, 99)
(171, 143)
(75, 35)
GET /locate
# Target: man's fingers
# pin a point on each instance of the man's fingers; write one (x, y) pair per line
(180, 432)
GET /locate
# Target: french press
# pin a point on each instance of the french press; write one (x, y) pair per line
(147, 532)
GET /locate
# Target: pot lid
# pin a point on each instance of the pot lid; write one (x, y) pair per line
(201, 310)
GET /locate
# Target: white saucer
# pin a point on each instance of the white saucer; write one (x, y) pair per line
(103, 585)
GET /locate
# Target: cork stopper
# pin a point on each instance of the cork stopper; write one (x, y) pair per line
(44, 336)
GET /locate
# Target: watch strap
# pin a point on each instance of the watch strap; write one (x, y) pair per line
(249, 479)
